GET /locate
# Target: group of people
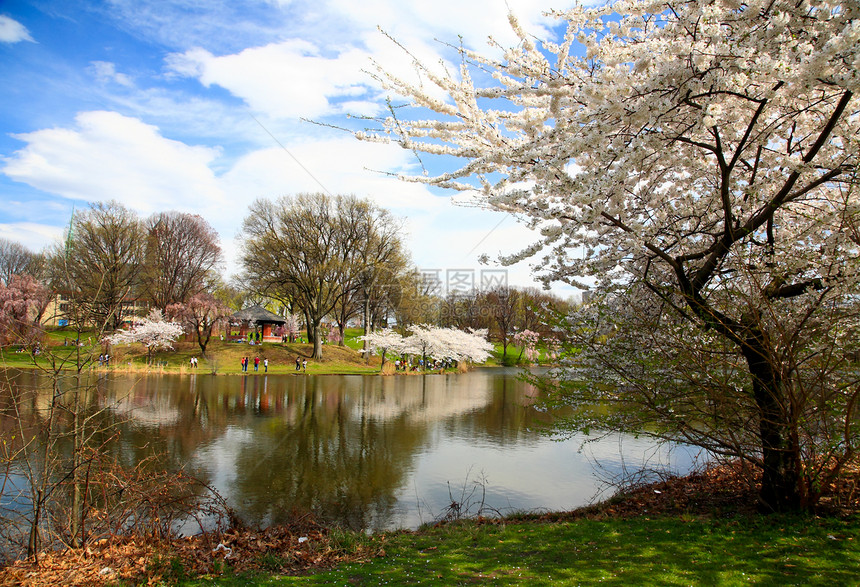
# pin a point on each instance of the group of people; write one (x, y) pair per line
(256, 364)
(419, 364)
(193, 362)
(104, 360)
(301, 364)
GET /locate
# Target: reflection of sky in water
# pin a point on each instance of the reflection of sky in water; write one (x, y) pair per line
(547, 475)
(374, 452)
(474, 446)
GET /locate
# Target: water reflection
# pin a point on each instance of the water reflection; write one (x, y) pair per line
(363, 451)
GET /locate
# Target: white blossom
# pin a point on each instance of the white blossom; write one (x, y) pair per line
(153, 331)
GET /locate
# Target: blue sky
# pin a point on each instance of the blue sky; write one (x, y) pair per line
(198, 106)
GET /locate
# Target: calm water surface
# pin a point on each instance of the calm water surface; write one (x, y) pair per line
(369, 452)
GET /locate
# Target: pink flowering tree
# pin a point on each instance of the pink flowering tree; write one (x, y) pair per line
(22, 305)
(291, 326)
(528, 341)
(334, 334)
(153, 332)
(695, 164)
(201, 315)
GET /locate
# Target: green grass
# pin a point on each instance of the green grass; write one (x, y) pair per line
(776, 550)
(222, 357)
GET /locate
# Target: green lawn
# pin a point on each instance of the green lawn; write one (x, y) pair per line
(776, 550)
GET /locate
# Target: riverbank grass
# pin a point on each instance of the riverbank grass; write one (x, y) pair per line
(221, 357)
(674, 550)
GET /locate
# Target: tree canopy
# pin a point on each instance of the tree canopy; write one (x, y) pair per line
(694, 163)
(316, 252)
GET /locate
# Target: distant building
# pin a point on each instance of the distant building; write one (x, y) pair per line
(60, 311)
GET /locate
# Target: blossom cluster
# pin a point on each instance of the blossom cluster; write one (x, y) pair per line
(432, 341)
(153, 331)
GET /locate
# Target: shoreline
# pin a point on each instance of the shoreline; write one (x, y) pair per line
(720, 498)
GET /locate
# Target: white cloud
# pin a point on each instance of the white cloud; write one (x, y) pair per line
(447, 20)
(110, 156)
(104, 72)
(30, 234)
(284, 60)
(12, 31)
(291, 79)
(335, 165)
(323, 73)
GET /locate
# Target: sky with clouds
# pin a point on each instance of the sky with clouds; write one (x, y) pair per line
(202, 106)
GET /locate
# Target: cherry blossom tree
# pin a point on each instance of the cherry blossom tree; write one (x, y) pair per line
(291, 326)
(433, 342)
(201, 314)
(334, 334)
(23, 302)
(153, 332)
(528, 339)
(382, 342)
(695, 164)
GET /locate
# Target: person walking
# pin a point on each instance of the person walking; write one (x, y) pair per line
(298, 364)
(265, 365)
(305, 365)
(256, 363)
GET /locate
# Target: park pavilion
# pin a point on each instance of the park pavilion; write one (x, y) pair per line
(258, 319)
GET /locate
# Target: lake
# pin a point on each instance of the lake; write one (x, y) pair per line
(369, 452)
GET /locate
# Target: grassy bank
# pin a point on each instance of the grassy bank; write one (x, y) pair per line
(665, 551)
(660, 550)
(221, 357)
(701, 529)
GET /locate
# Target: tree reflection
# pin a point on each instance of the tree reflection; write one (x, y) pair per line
(342, 447)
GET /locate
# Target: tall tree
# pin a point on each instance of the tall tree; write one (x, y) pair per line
(503, 305)
(699, 160)
(303, 251)
(16, 259)
(381, 261)
(181, 253)
(101, 262)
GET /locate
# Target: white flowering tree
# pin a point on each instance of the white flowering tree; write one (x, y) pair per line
(381, 342)
(153, 332)
(433, 342)
(695, 163)
(440, 343)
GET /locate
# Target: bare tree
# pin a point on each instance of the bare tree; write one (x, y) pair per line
(181, 252)
(15, 259)
(299, 250)
(100, 263)
(373, 264)
(503, 305)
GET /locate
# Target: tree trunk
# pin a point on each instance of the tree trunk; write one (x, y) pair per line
(368, 327)
(316, 338)
(781, 472)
